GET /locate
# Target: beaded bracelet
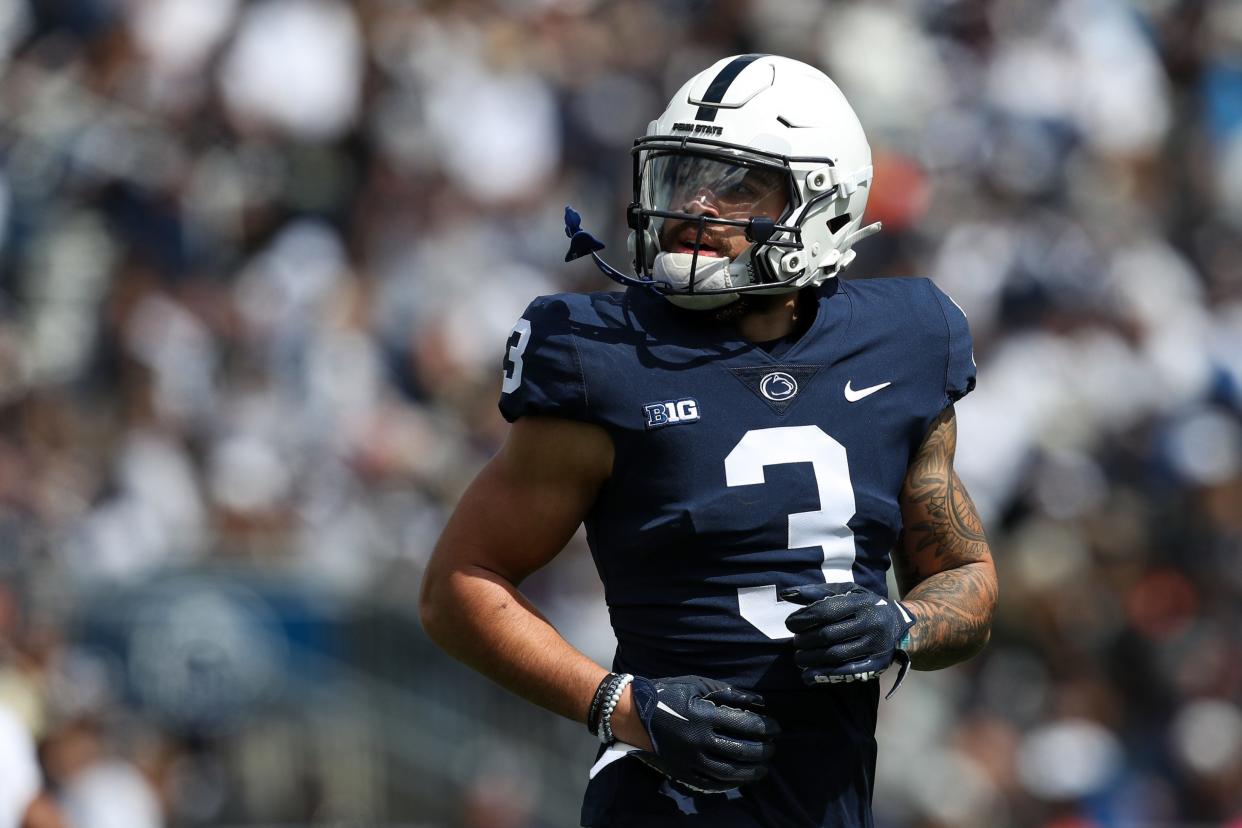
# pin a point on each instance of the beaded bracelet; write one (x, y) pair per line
(597, 704)
(610, 705)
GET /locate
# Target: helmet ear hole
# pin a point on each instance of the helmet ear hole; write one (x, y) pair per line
(837, 222)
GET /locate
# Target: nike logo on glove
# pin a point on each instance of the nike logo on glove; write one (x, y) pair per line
(855, 396)
(667, 709)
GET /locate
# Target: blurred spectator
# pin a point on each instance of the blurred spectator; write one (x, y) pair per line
(23, 801)
(20, 783)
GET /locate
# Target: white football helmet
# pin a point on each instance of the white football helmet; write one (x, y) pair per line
(751, 127)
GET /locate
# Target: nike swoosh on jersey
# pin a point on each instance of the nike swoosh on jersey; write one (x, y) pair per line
(855, 396)
(667, 709)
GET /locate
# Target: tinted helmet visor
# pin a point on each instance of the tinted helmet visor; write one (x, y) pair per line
(681, 188)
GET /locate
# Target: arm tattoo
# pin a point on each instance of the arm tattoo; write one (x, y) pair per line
(954, 610)
(943, 563)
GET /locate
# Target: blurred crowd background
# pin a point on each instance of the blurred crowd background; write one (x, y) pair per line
(258, 262)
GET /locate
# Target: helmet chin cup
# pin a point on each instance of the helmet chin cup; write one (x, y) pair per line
(711, 273)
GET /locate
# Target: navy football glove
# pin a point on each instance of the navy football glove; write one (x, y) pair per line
(847, 633)
(704, 735)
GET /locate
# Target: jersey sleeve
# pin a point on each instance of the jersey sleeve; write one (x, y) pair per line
(541, 367)
(959, 375)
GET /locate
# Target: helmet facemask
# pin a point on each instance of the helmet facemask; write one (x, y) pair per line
(704, 214)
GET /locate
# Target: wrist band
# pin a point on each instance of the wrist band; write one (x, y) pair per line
(609, 706)
(602, 693)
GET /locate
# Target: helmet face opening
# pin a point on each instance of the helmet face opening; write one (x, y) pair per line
(711, 200)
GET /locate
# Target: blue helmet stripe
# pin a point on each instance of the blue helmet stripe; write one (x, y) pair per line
(720, 85)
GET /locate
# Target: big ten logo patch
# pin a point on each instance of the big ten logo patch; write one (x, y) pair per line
(672, 412)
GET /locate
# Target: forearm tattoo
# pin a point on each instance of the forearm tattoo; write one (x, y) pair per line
(943, 563)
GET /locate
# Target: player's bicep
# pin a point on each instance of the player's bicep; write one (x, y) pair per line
(528, 501)
(941, 527)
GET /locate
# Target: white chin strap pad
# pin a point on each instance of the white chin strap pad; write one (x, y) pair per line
(713, 273)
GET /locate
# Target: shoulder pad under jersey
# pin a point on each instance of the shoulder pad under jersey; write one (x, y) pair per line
(960, 357)
(542, 366)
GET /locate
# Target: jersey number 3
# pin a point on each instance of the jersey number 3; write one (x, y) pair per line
(828, 527)
(513, 356)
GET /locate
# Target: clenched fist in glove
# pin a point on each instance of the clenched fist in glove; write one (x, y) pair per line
(705, 733)
(846, 633)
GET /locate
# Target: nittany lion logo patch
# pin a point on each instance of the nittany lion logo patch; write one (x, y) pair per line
(778, 386)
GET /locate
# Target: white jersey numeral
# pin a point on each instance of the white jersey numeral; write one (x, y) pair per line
(513, 375)
(828, 527)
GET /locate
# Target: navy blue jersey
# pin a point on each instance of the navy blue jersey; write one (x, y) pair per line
(738, 473)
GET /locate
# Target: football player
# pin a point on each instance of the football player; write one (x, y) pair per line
(750, 442)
